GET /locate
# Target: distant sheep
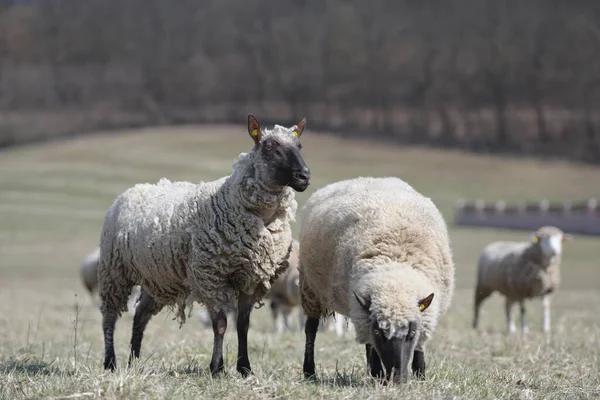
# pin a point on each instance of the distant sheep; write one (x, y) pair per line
(285, 294)
(89, 276)
(520, 271)
(336, 323)
(377, 251)
(211, 242)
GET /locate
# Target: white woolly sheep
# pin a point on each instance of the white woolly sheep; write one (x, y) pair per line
(89, 276)
(285, 294)
(520, 271)
(210, 242)
(377, 251)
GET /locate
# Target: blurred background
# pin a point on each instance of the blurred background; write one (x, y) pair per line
(511, 76)
(474, 99)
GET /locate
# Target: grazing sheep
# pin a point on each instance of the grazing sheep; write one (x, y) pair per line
(89, 276)
(520, 271)
(210, 242)
(285, 294)
(377, 251)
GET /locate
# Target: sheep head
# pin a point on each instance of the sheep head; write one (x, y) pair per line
(279, 160)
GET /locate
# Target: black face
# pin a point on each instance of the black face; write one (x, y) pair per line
(285, 164)
(395, 352)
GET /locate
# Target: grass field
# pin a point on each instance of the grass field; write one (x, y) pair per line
(52, 201)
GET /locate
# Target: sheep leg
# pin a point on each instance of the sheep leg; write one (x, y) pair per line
(109, 320)
(546, 315)
(276, 313)
(339, 325)
(374, 362)
(301, 319)
(144, 311)
(219, 324)
(418, 362)
(509, 316)
(524, 327)
(286, 321)
(245, 303)
(310, 329)
(480, 295)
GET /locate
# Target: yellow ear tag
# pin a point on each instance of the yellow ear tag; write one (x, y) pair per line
(421, 307)
(295, 133)
(536, 240)
(254, 132)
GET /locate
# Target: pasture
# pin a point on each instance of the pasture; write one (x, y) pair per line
(52, 202)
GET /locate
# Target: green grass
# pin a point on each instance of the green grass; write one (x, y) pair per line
(52, 201)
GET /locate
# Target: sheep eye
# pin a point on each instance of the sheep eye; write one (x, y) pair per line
(268, 146)
(376, 332)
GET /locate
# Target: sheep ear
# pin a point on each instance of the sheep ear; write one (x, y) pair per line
(254, 128)
(299, 128)
(426, 302)
(364, 303)
(567, 236)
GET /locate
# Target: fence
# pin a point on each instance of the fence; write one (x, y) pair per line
(580, 217)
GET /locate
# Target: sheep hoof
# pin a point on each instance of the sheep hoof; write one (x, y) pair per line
(216, 370)
(110, 364)
(245, 370)
(309, 371)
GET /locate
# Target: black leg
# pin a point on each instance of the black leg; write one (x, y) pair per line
(418, 364)
(219, 324)
(310, 329)
(245, 303)
(143, 313)
(374, 362)
(109, 320)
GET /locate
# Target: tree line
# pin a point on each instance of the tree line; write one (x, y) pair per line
(483, 75)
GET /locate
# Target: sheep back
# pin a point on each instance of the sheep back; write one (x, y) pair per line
(353, 228)
(185, 242)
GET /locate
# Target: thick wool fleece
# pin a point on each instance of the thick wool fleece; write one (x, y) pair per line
(206, 242)
(519, 270)
(383, 240)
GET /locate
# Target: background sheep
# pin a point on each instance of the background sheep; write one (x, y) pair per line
(377, 251)
(210, 242)
(89, 276)
(285, 294)
(519, 271)
(336, 323)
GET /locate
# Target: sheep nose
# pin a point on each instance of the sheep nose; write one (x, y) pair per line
(303, 175)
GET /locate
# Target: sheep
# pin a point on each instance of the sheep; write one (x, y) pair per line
(377, 251)
(520, 271)
(89, 276)
(285, 294)
(204, 316)
(338, 324)
(208, 243)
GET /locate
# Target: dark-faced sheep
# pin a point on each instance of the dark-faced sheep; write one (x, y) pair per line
(211, 242)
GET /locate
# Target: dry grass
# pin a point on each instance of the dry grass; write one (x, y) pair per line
(52, 201)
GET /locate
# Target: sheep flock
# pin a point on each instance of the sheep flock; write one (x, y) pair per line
(373, 258)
